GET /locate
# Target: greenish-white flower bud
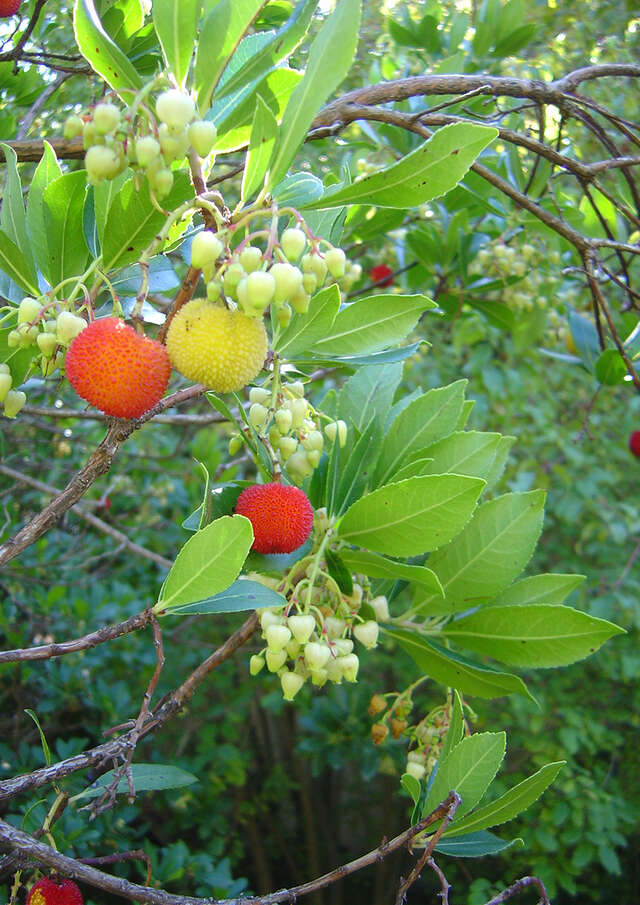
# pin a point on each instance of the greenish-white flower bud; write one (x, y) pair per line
(68, 325)
(291, 684)
(284, 420)
(13, 402)
(147, 150)
(106, 118)
(258, 414)
(256, 664)
(47, 343)
(287, 447)
(5, 384)
(288, 280)
(380, 607)
(277, 637)
(293, 242)
(206, 248)
(175, 109)
(202, 135)
(335, 627)
(416, 770)
(367, 633)
(298, 465)
(28, 310)
(267, 618)
(316, 655)
(302, 626)
(259, 394)
(260, 289)
(251, 258)
(336, 262)
(297, 388)
(349, 665)
(275, 659)
(73, 127)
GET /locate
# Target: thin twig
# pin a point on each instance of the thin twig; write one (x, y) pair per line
(518, 886)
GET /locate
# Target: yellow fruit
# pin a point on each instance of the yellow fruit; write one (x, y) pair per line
(222, 349)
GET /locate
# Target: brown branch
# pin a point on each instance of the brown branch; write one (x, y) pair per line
(92, 415)
(517, 887)
(91, 519)
(135, 855)
(86, 642)
(454, 803)
(16, 53)
(116, 748)
(14, 838)
(98, 464)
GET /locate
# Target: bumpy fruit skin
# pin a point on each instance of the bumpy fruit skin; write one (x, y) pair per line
(49, 891)
(222, 349)
(117, 370)
(634, 443)
(8, 8)
(282, 517)
(381, 272)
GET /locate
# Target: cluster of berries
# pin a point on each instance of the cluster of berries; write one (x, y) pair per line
(425, 737)
(528, 287)
(115, 140)
(285, 276)
(292, 426)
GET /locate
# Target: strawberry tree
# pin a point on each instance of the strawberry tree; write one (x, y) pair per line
(364, 516)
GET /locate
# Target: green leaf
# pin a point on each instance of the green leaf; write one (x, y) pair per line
(103, 54)
(103, 196)
(468, 770)
(12, 262)
(430, 171)
(241, 595)
(67, 249)
(538, 635)
(411, 786)
(264, 132)
(146, 778)
(464, 452)
(133, 221)
(431, 417)
(47, 171)
(610, 368)
(475, 845)
(360, 460)
(219, 36)
(43, 739)
(330, 59)
(18, 360)
(502, 454)
(176, 24)
(585, 337)
(277, 48)
(376, 566)
(369, 393)
(372, 324)
(298, 188)
(546, 588)
(509, 805)
(13, 221)
(492, 550)
(208, 563)
(414, 469)
(457, 671)
(455, 732)
(412, 516)
(338, 571)
(305, 329)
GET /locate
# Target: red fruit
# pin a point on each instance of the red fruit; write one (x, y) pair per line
(54, 891)
(8, 8)
(116, 369)
(282, 517)
(634, 443)
(379, 272)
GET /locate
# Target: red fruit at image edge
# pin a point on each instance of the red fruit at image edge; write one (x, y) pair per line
(55, 891)
(634, 443)
(379, 272)
(116, 369)
(282, 517)
(8, 8)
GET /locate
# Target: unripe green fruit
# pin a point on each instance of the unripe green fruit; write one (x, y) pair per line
(302, 626)
(202, 135)
(162, 182)
(380, 607)
(256, 664)
(147, 150)
(13, 402)
(175, 109)
(275, 660)
(251, 258)
(299, 301)
(258, 414)
(47, 343)
(277, 637)
(106, 118)
(291, 684)
(316, 655)
(293, 242)
(288, 280)
(336, 262)
(260, 289)
(284, 419)
(283, 314)
(287, 447)
(235, 444)
(101, 163)
(206, 248)
(73, 127)
(5, 384)
(349, 665)
(367, 633)
(28, 310)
